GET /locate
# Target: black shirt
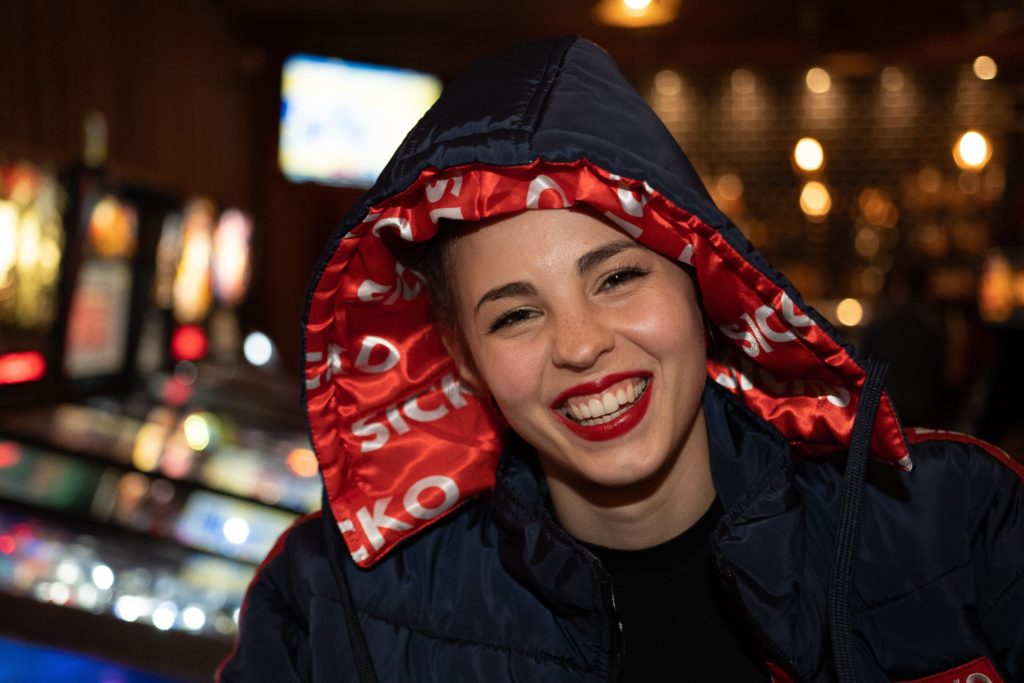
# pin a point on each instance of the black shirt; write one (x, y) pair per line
(677, 621)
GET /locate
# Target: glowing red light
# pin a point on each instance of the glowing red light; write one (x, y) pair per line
(10, 454)
(23, 366)
(7, 544)
(189, 342)
(176, 392)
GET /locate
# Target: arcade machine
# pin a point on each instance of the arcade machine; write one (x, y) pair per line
(149, 453)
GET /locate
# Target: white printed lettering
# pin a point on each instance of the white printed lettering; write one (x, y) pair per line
(837, 396)
(412, 497)
(631, 229)
(755, 337)
(396, 420)
(734, 379)
(378, 433)
(686, 256)
(454, 391)
(762, 342)
(415, 412)
(372, 524)
(370, 343)
(628, 199)
(762, 314)
(537, 187)
(403, 225)
(453, 212)
(790, 315)
(333, 364)
(750, 345)
(371, 291)
(313, 357)
(435, 190)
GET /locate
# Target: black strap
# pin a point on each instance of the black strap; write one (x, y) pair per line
(844, 549)
(356, 637)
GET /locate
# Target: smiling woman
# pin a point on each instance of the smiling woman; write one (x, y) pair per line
(612, 444)
(561, 313)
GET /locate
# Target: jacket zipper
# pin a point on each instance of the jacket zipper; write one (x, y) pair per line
(618, 640)
(730, 580)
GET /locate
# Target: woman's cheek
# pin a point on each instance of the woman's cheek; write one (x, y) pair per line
(513, 372)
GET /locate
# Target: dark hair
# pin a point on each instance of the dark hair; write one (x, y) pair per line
(434, 260)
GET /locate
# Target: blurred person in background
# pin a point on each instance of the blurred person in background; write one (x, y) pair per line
(611, 442)
(910, 332)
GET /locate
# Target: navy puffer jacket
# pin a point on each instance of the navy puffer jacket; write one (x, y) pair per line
(855, 550)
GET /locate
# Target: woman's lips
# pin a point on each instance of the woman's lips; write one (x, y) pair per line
(606, 408)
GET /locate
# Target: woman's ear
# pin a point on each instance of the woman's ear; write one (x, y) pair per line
(457, 349)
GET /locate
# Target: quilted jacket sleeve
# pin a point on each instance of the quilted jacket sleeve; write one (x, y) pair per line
(273, 641)
(998, 544)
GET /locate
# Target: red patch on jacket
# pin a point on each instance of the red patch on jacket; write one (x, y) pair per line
(979, 670)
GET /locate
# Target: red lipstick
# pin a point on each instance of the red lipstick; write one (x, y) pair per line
(614, 428)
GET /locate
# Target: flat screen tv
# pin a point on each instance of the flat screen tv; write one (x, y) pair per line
(341, 121)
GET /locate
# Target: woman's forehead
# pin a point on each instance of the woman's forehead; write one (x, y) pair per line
(540, 233)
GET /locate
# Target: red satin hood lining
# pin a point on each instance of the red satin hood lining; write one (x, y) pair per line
(402, 443)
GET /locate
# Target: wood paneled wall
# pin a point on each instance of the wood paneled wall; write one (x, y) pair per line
(169, 77)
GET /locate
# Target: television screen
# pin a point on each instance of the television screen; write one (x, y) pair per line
(341, 121)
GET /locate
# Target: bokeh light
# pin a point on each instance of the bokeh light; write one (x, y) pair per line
(815, 200)
(302, 462)
(985, 68)
(236, 530)
(818, 80)
(972, 151)
(893, 79)
(258, 349)
(197, 431)
(808, 154)
(849, 312)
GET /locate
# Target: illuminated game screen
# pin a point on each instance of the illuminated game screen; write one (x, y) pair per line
(32, 245)
(97, 334)
(341, 121)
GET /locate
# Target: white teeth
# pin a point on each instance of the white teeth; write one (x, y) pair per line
(604, 409)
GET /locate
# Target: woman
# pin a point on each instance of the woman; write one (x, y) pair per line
(530, 472)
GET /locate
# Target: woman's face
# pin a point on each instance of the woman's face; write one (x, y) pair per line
(590, 343)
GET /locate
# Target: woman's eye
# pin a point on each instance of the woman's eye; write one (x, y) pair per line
(511, 318)
(622, 276)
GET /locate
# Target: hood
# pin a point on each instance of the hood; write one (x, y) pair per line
(546, 125)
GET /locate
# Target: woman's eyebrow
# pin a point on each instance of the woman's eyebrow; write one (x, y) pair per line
(518, 288)
(603, 253)
(584, 263)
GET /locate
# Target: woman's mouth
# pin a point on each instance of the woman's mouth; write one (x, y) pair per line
(605, 409)
(605, 406)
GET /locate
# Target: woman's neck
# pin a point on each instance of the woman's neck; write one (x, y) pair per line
(646, 513)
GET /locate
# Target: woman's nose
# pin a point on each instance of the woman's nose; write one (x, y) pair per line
(580, 338)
